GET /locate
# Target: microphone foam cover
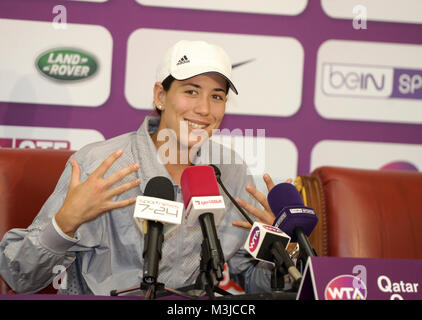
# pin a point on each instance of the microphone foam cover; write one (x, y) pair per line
(160, 187)
(288, 221)
(198, 181)
(290, 211)
(283, 195)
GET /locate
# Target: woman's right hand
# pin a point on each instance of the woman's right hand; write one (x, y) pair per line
(87, 200)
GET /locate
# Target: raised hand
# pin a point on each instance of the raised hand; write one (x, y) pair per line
(87, 200)
(264, 215)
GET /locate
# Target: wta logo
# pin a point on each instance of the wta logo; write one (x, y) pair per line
(345, 287)
(254, 239)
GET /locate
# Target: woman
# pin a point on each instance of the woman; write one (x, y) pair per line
(86, 225)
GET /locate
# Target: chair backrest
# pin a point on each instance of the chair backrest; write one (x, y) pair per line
(27, 178)
(365, 213)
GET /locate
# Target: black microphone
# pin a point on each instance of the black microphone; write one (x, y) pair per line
(162, 188)
(218, 176)
(269, 243)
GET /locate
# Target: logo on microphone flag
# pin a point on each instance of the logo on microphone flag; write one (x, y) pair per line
(260, 238)
(155, 209)
(254, 239)
(272, 229)
(200, 205)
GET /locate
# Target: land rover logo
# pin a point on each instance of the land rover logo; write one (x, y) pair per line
(67, 64)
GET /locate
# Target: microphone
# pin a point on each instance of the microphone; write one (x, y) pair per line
(292, 216)
(201, 194)
(269, 243)
(156, 206)
(218, 176)
(203, 202)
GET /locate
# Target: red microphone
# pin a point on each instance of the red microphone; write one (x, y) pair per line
(201, 194)
(204, 203)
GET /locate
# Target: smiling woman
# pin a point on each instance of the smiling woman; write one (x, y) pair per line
(190, 95)
(87, 226)
(198, 103)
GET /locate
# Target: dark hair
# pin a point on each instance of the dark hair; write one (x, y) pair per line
(167, 84)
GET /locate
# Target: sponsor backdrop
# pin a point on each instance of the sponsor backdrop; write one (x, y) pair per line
(320, 82)
(331, 82)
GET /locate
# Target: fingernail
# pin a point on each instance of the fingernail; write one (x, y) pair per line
(136, 166)
(119, 152)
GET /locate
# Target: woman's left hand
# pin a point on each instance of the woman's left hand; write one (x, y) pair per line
(264, 215)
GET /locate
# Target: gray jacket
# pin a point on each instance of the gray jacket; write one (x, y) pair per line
(106, 253)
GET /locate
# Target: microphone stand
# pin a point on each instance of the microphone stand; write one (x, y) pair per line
(153, 243)
(306, 250)
(151, 289)
(277, 275)
(161, 288)
(283, 262)
(277, 278)
(207, 279)
(211, 265)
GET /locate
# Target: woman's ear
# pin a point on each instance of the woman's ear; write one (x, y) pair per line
(159, 95)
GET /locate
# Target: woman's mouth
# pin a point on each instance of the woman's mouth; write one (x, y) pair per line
(196, 125)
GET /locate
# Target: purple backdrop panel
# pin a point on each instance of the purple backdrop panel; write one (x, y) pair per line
(330, 278)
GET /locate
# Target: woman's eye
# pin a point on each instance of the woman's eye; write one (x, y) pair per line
(218, 97)
(190, 92)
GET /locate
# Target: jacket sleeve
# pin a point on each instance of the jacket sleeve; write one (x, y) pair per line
(254, 276)
(28, 256)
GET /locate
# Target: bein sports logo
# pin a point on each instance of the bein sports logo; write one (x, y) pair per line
(353, 80)
(345, 287)
(254, 239)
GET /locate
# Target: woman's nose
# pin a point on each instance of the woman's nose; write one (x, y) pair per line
(203, 107)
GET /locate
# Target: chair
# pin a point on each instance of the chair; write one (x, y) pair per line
(365, 213)
(27, 178)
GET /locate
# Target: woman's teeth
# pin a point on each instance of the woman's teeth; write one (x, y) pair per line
(196, 126)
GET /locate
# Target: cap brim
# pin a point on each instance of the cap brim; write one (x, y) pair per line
(194, 74)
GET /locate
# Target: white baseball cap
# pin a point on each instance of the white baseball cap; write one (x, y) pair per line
(187, 59)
